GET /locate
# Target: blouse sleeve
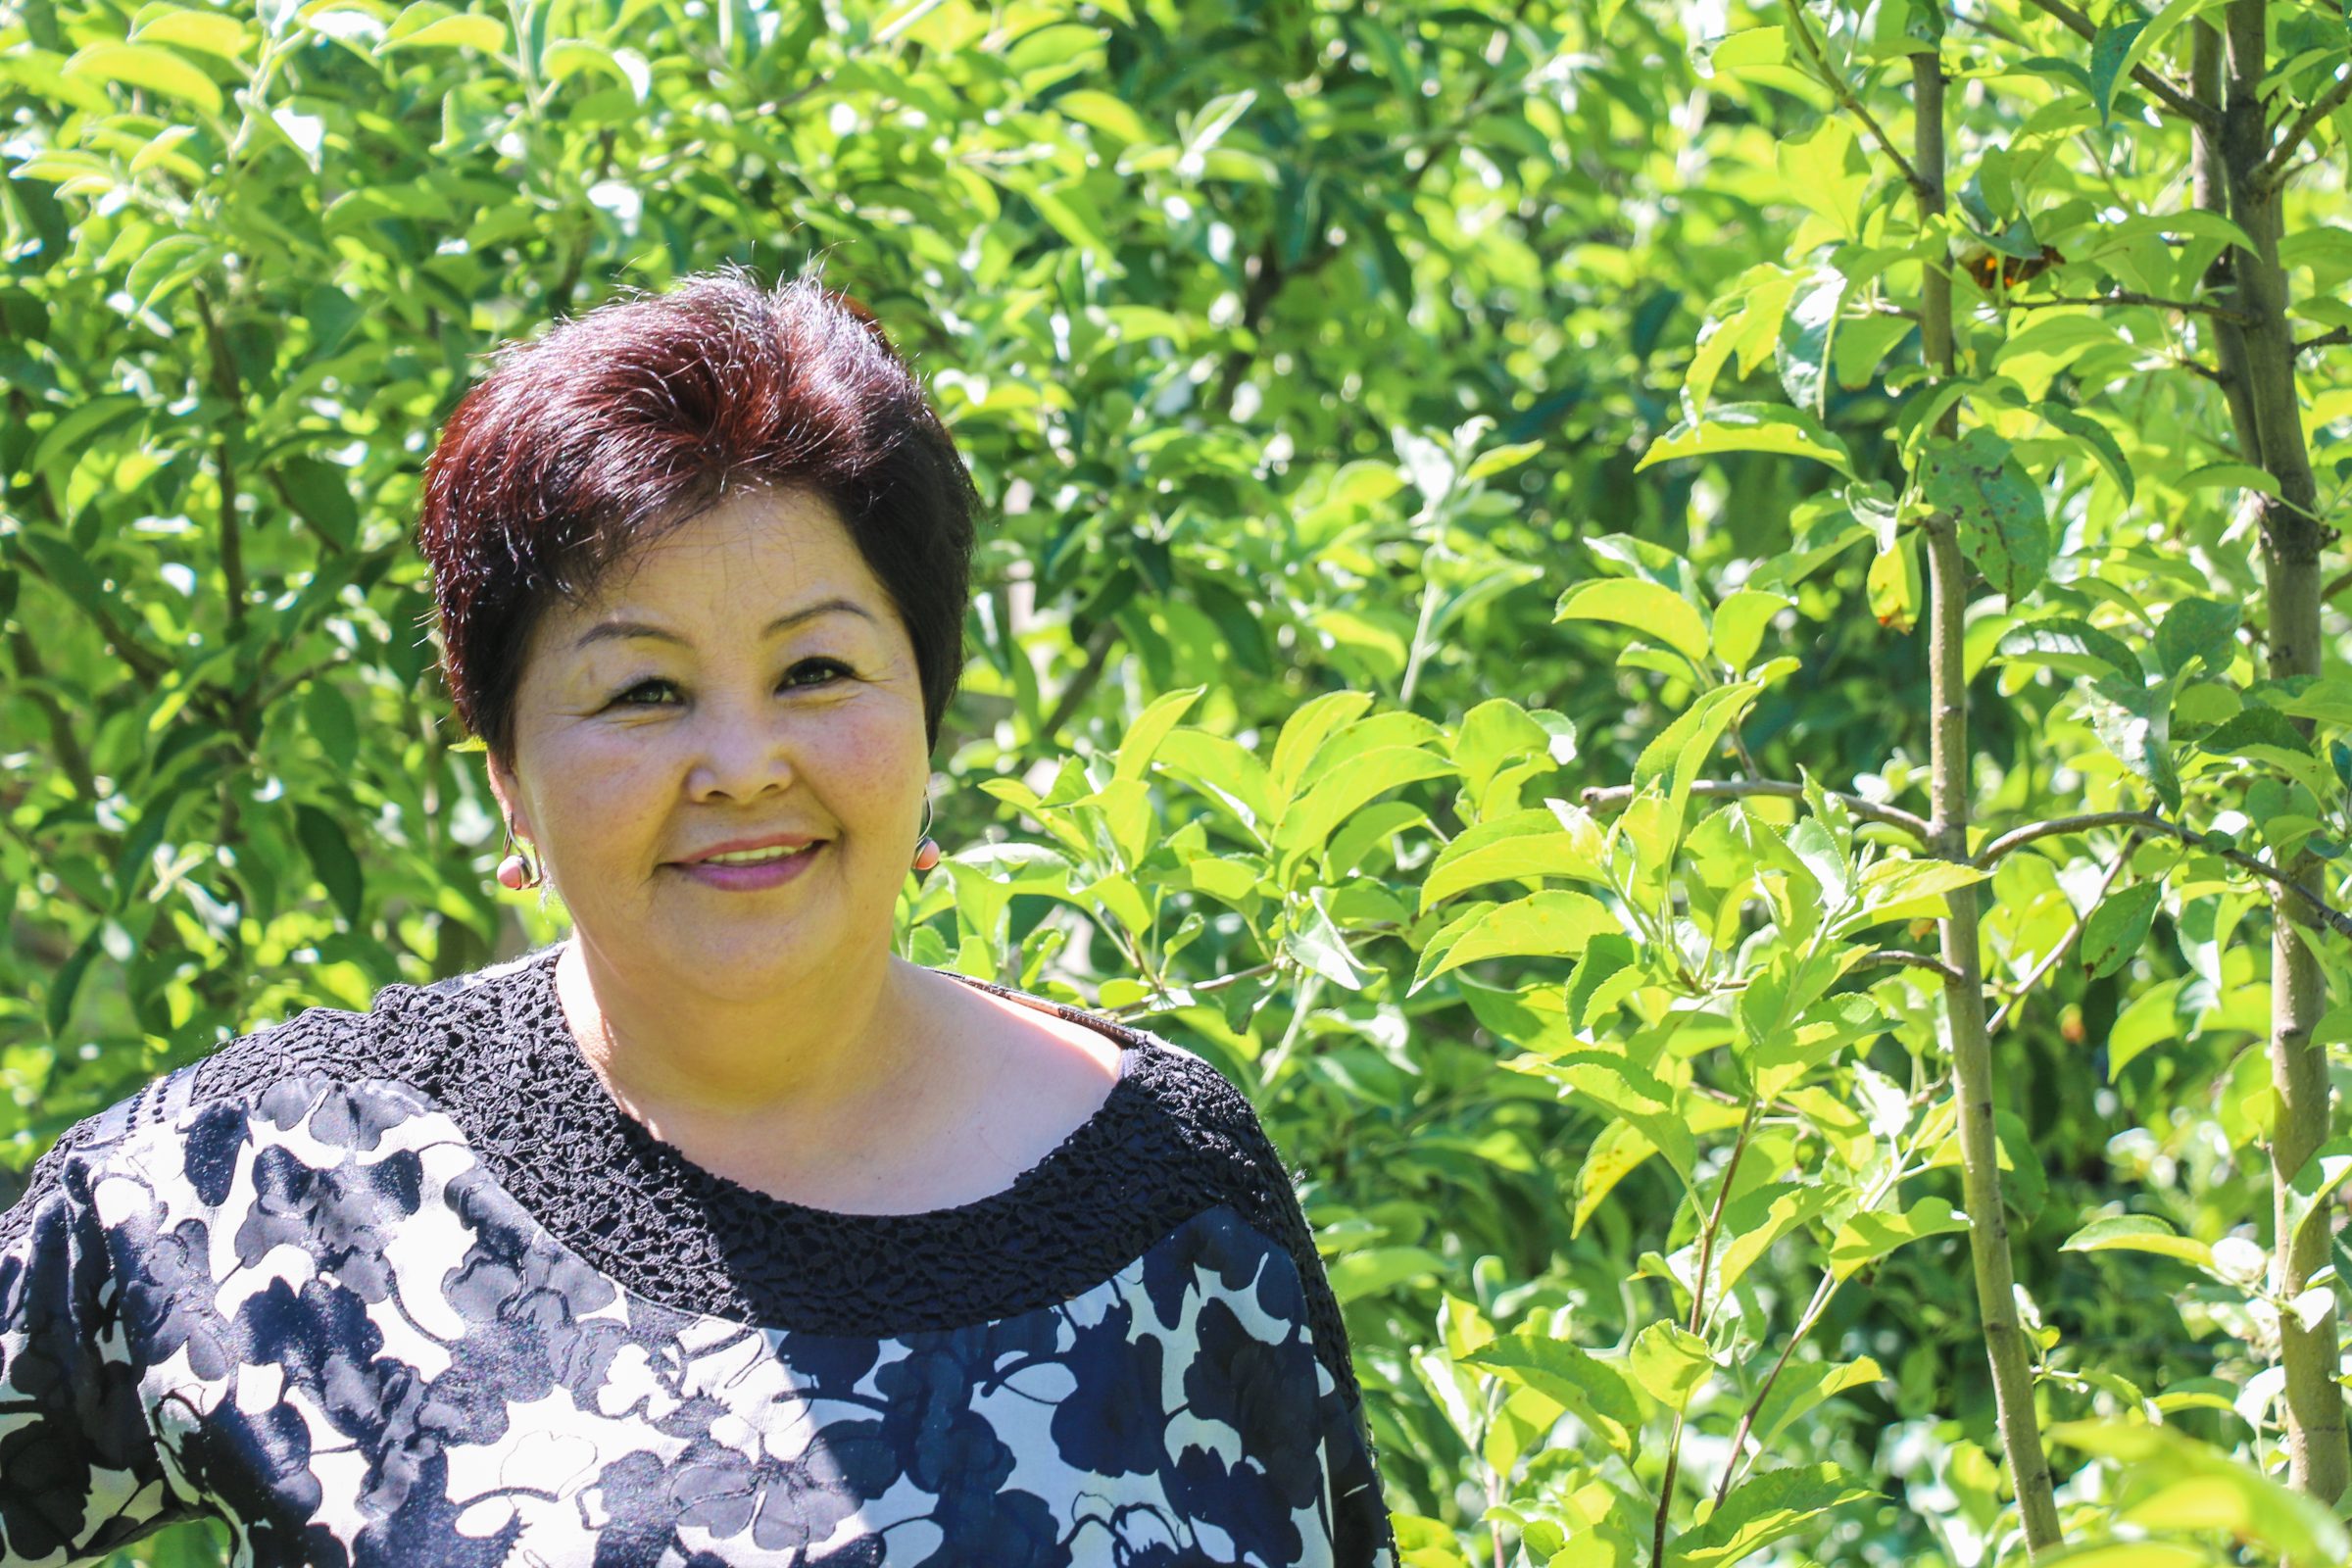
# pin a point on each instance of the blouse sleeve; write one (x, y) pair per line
(1361, 1535)
(79, 1470)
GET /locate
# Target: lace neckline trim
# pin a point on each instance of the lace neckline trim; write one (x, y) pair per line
(557, 1049)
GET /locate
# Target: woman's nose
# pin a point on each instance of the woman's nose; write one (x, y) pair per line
(740, 750)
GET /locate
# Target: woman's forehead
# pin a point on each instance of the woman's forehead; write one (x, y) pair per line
(751, 555)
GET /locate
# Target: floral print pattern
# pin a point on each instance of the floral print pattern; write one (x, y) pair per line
(315, 1313)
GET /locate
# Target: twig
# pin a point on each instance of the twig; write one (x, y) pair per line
(1601, 796)
(1837, 83)
(1375, 928)
(1905, 958)
(1098, 651)
(2065, 944)
(2172, 97)
(2222, 312)
(2334, 337)
(2019, 838)
(2274, 170)
(1698, 1302)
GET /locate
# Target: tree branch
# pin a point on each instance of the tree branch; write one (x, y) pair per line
(2018, 838)
(2221, 312)
(1601, 796)
(1098, 651)
(2274, 170)
(1837, 83)
(2065, 944)
(2172, 97)
(1905, 958)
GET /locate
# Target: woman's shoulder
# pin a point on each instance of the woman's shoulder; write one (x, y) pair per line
(397, 1041)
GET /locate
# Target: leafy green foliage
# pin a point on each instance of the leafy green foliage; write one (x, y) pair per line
(1419, 656)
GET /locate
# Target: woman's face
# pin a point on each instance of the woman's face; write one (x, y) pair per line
(745, 677)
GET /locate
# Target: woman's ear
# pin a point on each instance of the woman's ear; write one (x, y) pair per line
(509, 795)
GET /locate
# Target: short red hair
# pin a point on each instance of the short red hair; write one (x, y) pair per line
(582, 446)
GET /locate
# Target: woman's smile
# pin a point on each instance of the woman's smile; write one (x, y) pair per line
(757, 869)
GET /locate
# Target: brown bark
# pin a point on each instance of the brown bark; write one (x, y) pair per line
(1951, 774)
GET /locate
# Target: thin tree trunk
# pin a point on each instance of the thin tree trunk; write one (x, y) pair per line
(1964, 993)
(2319, 1460)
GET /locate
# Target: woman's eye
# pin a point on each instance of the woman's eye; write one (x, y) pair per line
(805, 665)
(824, 668)
(627, 698)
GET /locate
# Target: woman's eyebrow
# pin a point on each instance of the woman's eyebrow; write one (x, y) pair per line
(610, 629)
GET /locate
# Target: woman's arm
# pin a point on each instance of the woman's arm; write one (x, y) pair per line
(80, 1471)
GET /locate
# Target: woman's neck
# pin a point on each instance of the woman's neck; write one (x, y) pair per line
(798, 1061)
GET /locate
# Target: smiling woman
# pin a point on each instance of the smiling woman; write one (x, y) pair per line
(716, 1232)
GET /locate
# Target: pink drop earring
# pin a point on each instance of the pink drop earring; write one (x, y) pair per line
(515, 873)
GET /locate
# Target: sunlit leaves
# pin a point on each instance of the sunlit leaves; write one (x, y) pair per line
(1729, 428)
(2004, 528)
(148, 66)
(1657, 613)
(1597, 1392)
(2171, 1480)
(1870, 1236)
(1524, 843)
(2139, 1233)
(1768, 1505)
(1670, 1362)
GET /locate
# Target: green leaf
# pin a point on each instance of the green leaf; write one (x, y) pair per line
(147, 66)
(2118, 927)
(2073, 646)
(2003, 525)
(1740, 624)
(2321, 1174)
(209, 31)
(1652, 608)
(1616, 1153)
(322, 494)
(2194, 629)
(1870, 1236)
(1349, 787)
(2109, 51)
(1604, 976)
(1552, 924)
(1597, 1392)
(1671, 1362)
(567, 58)
(1500, 740)
(1318, 945)
(1908, 889)
(2139, 1233)
(1827, 173)
(1767, 1506)
(487, 34)
(1149, 728)
(2149, 1019)
(1803, 1386)
(1103, 112)
(1524, 843)
(2180, 1483)
(1750, 427)
(2134, 720)
(331, 857)
(1305, 732)
(2095, 437)
(1376, 1269)
(1759, 1217)
(1227, 771)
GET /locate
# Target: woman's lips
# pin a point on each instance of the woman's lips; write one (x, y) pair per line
(751, 878)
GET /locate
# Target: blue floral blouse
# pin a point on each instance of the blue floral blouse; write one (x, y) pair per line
(407, 1287)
